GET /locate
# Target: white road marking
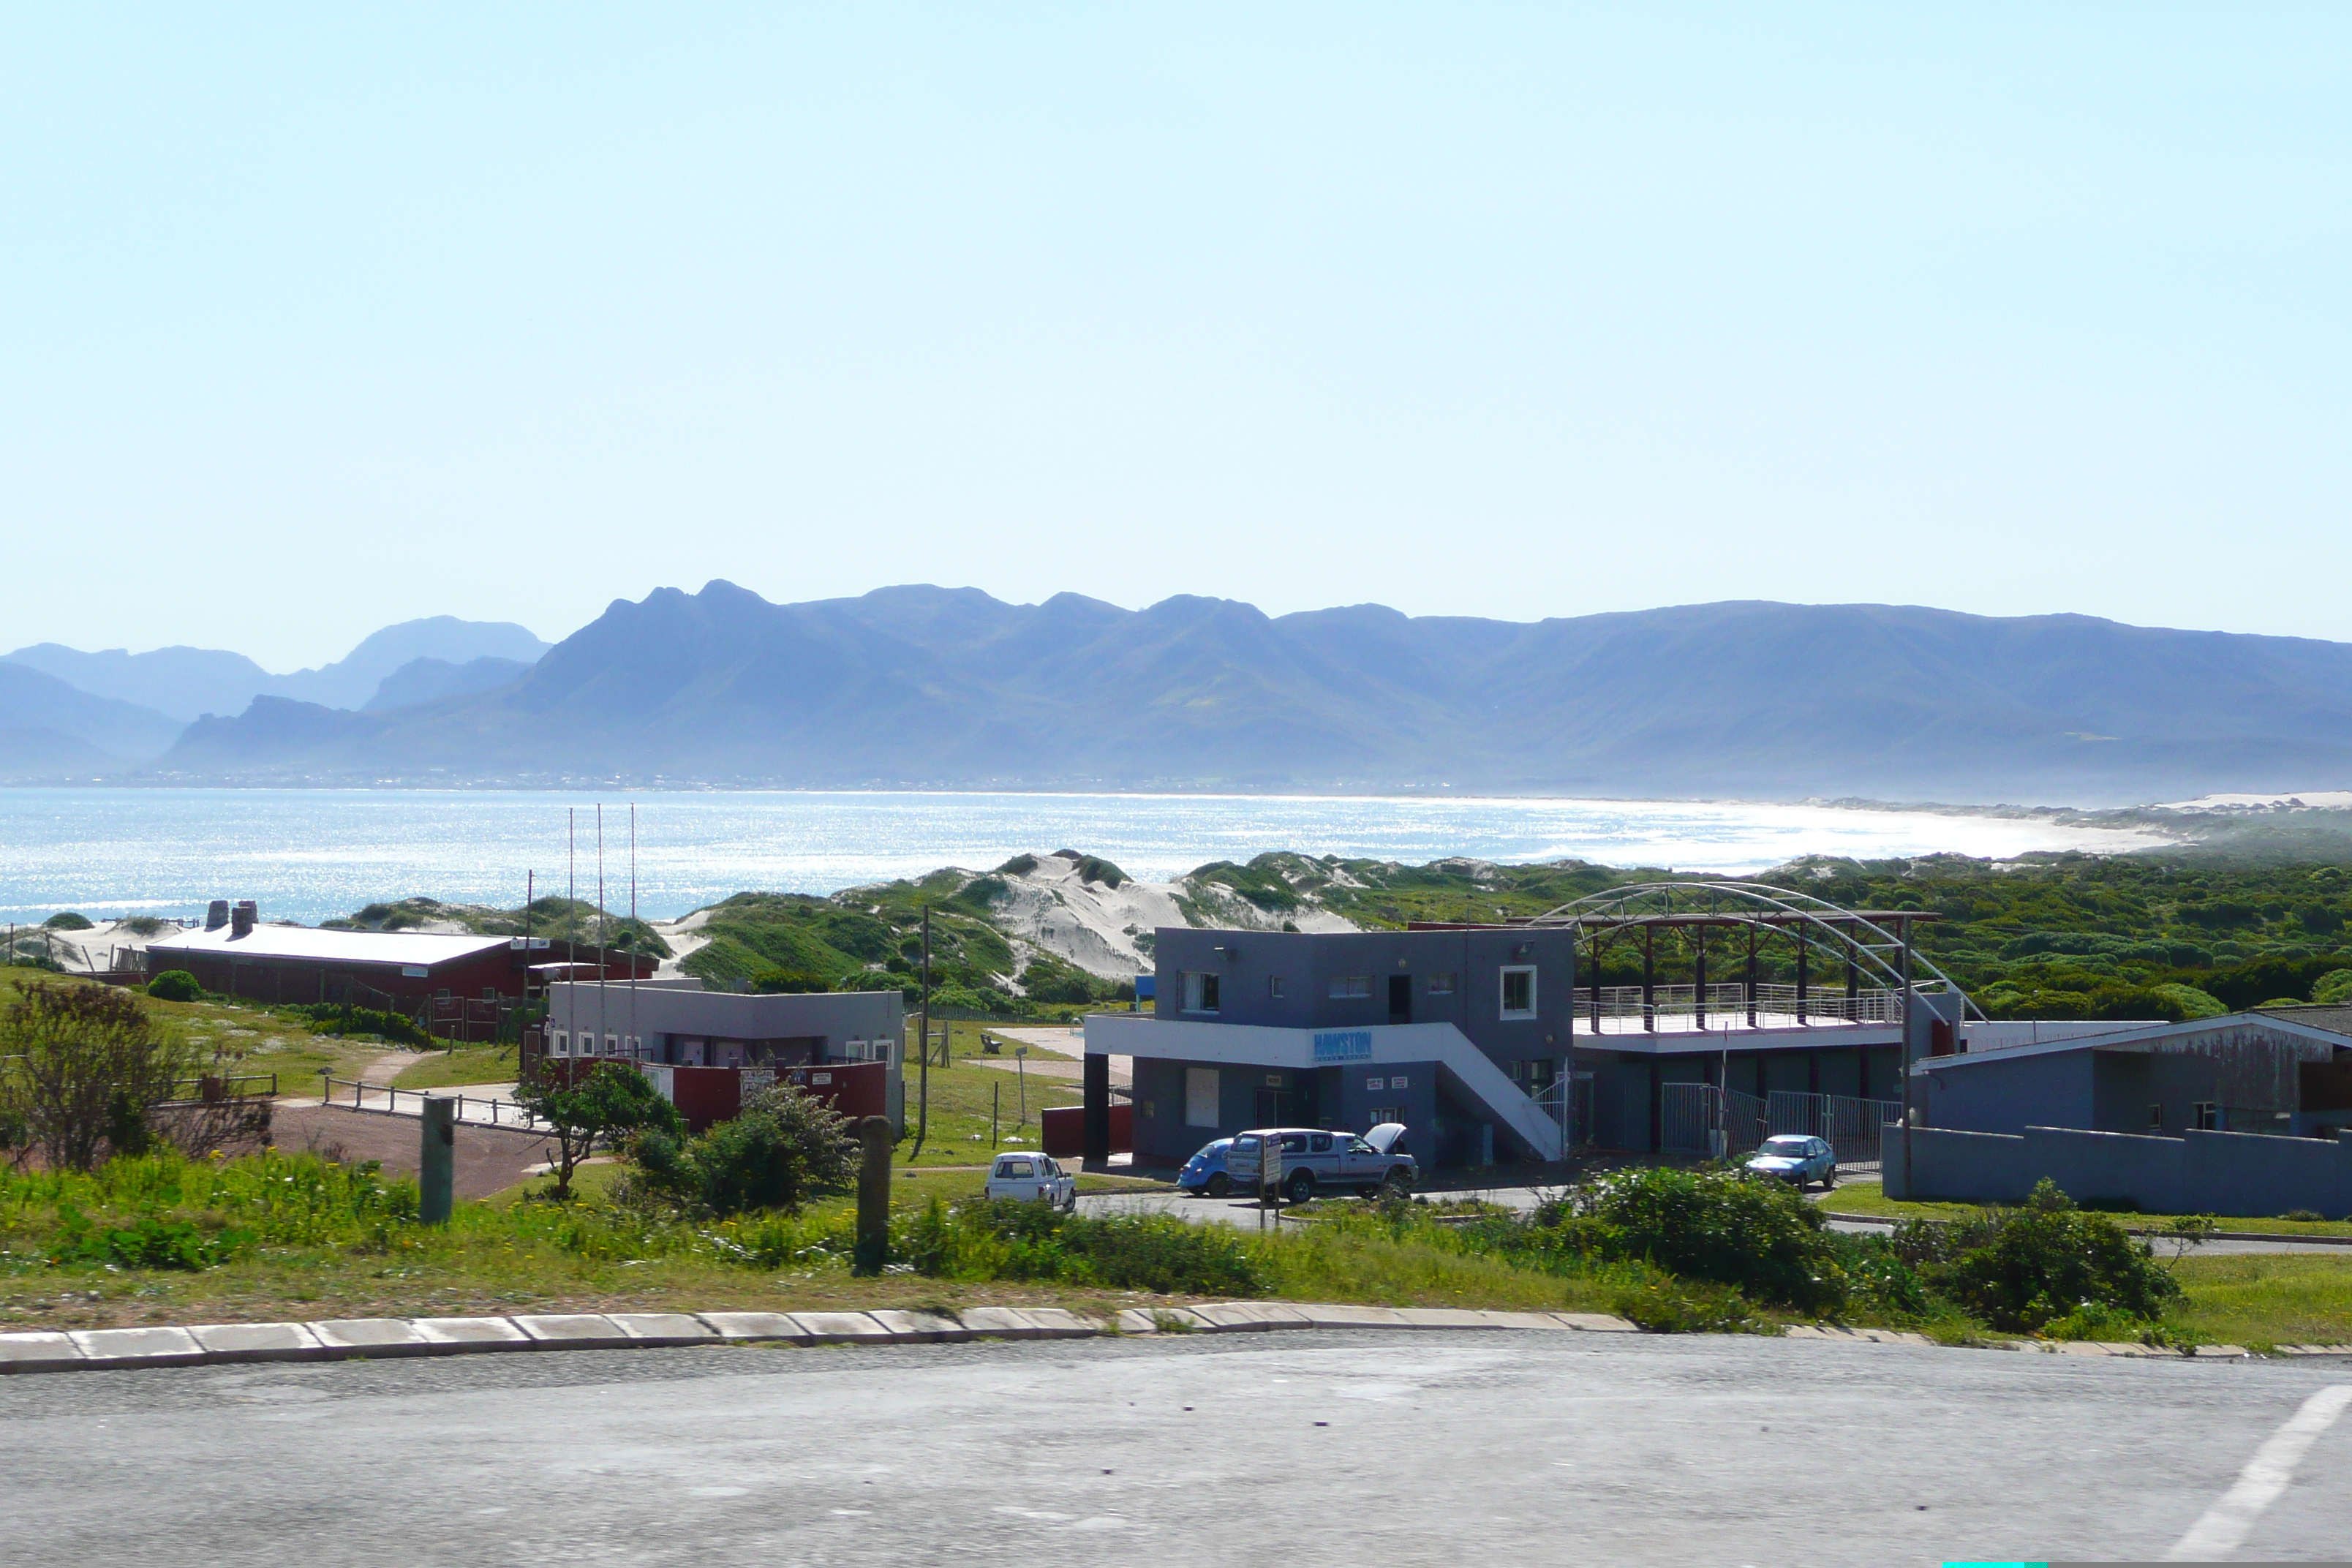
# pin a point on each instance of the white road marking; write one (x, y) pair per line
(2267, 1475)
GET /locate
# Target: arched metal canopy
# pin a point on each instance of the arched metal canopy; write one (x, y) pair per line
(1856, 935)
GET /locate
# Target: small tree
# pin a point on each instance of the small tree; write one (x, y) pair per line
(613, 1101)
(91, 1065)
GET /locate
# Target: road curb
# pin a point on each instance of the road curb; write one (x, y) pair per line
(360, 1339)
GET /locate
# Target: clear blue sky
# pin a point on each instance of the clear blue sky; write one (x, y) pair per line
(313, 322)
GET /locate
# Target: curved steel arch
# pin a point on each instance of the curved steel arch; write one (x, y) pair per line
(1839, 924)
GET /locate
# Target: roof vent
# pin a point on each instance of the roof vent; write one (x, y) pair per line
(216, 914)
(241, 919)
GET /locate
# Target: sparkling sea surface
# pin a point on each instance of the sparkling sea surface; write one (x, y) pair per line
(308, 855)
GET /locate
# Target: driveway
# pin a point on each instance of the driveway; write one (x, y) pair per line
(1430, 1449)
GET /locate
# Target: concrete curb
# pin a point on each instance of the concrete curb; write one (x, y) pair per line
(215, 1345)
(99, 1350)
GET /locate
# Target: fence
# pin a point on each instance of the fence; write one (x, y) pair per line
(1852, 1126)
(1699, 1118)
(386, 1101)
(1726, 1005)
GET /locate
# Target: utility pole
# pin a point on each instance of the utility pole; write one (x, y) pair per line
(923, 1091)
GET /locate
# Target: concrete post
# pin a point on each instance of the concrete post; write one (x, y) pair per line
(1097, 1153)
(874, 1133)
(436, 1163)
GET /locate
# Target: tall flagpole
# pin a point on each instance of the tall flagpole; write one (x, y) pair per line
(600, 925)
(637, 1050)
(571, 899)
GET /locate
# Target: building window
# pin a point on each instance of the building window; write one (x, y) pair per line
(1534, 1074)
(1383, 1114)
(1350, 987)
(1519, 992)
(1442, 984)
(1200, 1097)
(2208, 1116)
(1200, 992)
(562, 1044)
(2156, 1118)
(1273, 986)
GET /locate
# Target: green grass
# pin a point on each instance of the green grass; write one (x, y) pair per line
(463, 1064)
(2260, 1301)
(961, 1097)
(1866, 1198)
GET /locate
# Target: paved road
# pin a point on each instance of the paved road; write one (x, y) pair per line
(1375, 1448)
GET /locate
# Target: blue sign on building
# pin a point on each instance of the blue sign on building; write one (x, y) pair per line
(1344, 1045)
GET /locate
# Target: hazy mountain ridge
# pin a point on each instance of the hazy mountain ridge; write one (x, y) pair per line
(185, 683)
(918, 686)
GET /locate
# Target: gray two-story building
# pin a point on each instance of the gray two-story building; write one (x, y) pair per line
(1461, 1035)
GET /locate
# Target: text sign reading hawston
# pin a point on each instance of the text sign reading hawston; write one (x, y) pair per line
(1344, 1045)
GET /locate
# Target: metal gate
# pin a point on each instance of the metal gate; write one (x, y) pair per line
(1850, 1125)
(1701, 1119)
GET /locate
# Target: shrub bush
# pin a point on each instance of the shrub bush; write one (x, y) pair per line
(1005, 1239)
(2019, 1270)
(335, 1018)
(1758, 1236)
(66, 919)
(175, 986)
(783, 1149)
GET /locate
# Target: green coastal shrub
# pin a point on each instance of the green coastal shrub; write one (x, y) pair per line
(334, 1019)
(2021, 1270)
(780, 1151)
(175, 986)
(1758, 1236)
(1005, 1239)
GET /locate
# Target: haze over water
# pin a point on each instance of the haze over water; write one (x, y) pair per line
(310, 854)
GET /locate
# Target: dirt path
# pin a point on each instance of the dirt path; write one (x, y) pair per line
(386, 1067)
(488, 1160)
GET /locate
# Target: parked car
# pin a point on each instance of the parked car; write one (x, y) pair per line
(1793, 1157)
(1204, 1174)
(1315, 1160)
(1032, 1175)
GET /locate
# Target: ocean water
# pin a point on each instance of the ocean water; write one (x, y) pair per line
(308, 855)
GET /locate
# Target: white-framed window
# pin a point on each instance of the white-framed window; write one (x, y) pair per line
(1380, 1114)
(1350, 987)
(1273, 986)
(1200, 1097)
(562, 1044)
(1199, 991)
(1442, 984)
(1520, 991)
(2156, 1118)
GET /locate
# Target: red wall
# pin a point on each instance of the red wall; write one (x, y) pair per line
(1065, 1130)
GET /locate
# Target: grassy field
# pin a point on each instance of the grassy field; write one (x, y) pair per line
(962, 1095)
(463, 1064)
(250, 1038)
(1866, 1198)
(2259, 1302)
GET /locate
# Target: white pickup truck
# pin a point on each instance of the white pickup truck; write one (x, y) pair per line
(1314, 1160)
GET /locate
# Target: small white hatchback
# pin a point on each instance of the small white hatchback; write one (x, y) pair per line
(1032, 1175)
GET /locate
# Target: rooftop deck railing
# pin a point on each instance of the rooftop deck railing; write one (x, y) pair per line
(1728, 1007)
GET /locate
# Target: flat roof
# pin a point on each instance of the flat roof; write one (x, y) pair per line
(314, 945)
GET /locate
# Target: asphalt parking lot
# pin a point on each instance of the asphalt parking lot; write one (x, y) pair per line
(1429, 1447)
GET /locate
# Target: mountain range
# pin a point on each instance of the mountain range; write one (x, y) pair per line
(916, 687)
(67, 713)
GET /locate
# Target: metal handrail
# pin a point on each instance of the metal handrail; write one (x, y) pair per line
(502, 1113)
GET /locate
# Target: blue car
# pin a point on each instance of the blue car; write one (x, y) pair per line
(1204, 1172)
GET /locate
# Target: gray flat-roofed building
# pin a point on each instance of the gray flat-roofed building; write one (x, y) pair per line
(680, 1023)
(1457, 1034)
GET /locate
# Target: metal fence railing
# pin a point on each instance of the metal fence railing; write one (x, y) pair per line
(1852, 1126)
(1777, 1006)
(1700, 1119)
(476, 1109)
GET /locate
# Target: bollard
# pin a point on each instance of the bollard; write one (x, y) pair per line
(436, 1163)
(874, 1195)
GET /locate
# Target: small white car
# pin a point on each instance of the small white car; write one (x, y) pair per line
(1032, 1176)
